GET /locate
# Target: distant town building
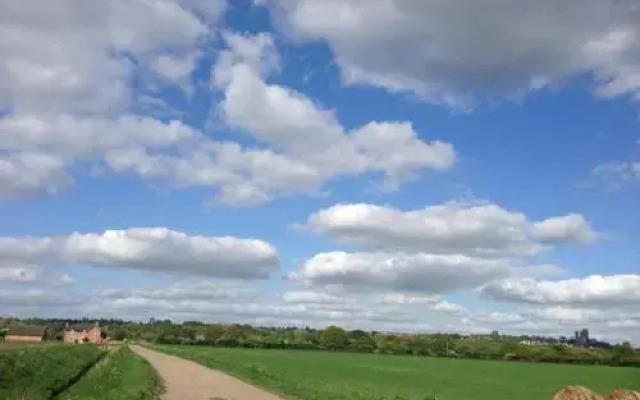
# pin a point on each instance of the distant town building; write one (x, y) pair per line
(83, 333)
(531, 342)
(26, 333)
(582, 337)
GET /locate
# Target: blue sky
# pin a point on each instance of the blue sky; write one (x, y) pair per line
(398, 166)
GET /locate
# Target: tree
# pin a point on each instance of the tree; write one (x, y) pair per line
(392, 344)
(441, 344)
(334, 338)
(508, 347)
(188, 333)
(418, 345)
(214, 332)
(625, 349)
(54, 332)
(120, 335)
(361, 341)
(624, 354)
(357, 334)
(234, 333)
(303, 339)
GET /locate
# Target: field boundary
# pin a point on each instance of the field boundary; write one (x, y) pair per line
(269, 387)
(229, 371)
(187, 378)
(43, 372)
(113, 373)
(160, 386)
(79, 376)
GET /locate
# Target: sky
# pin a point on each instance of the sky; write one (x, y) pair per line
(397, 165)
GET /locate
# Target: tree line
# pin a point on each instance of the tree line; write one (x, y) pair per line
(334, 338)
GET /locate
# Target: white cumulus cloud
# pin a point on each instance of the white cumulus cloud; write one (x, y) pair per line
(443, 248)
(28, 174)
(568, 228)
(71, 55)
(429, 273)
(590, 290)
(238, 302)
(307, 147)
(477, 229)
(309, 134)
(150, 249)
(453, 51)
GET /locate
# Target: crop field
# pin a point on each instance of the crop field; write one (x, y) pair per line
(122, 375)
(333, 376)
(40, 372)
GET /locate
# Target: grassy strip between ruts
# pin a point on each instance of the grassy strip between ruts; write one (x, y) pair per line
(122, 375)
(313, 375)
(42, 372)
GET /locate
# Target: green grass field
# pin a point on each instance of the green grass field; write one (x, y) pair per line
(333, 376)
(122, 375)
(40, 372)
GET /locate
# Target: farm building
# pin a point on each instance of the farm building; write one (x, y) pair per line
(83, 334)
(25, 333)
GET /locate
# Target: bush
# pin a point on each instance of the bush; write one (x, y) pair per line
(41, 372)
(120, 335)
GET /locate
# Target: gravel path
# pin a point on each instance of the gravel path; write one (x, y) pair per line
(186, 380)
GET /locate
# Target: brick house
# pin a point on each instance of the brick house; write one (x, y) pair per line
(83, 334)
(25, 334)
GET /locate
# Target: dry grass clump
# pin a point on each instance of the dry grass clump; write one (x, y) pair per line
(576, 393)
(583, 393)
(623, 394)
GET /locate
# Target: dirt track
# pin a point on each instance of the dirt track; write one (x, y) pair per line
(186, 380)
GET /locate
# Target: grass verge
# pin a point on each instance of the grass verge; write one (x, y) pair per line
(42, 372)
(122, 375)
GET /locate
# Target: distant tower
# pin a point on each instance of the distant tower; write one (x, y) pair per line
(585, 334)
(582, 336)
